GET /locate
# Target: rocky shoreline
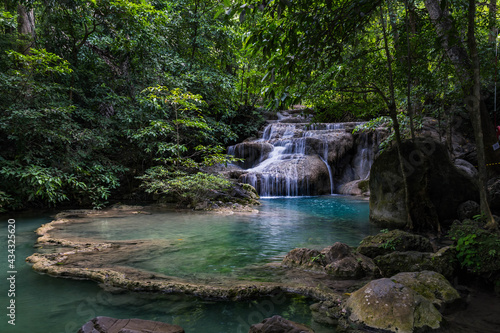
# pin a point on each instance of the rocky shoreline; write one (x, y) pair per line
(68, 255)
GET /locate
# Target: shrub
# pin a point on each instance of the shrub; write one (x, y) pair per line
(478, 249)
(188, 189)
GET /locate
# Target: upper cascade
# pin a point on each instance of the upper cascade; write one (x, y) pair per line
(294, 158)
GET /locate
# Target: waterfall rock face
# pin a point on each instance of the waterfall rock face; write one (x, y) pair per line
(294, 158)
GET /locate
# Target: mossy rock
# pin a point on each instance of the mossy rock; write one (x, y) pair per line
(391, 306)
(433, 286)
(364, 185)
(338, 260)
(395, 240)
(412, 261)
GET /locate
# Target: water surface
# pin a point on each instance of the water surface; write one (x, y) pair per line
(200, 245)
(212, 246)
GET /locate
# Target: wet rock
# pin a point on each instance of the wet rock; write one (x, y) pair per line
(468, 210)
(433, 286)
(277, 324)
(342, 262)
(443, 262)
(394, 240)
(338, 260)
(436, 187)
(356, 187)
(391, 306)
(252, 152)
(310, 175)
(328, 312)
(113, 325)
(304, 258)
(245, 194)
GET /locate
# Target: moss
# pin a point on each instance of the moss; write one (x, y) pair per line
(364, 185)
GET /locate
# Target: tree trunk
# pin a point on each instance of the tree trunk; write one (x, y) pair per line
(394, 116)
(475, 113)
(467, 70)
(492, 9)
(409, 78)
(25, 28)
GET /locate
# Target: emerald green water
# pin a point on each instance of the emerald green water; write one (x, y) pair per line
(204, 246)
(211, 246)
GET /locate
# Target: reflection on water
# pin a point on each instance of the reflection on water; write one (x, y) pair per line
(206, 245)
(186, 245)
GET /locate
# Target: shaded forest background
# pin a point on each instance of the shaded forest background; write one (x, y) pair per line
(111, 100)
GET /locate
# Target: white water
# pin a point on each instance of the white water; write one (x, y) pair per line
(298, 159)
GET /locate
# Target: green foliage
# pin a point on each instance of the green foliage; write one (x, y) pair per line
(386, 122)
(112, 89)
(39, 61)
(5, 201)
(478, 249)
(318, 258)
(187, 189)
(391, 244)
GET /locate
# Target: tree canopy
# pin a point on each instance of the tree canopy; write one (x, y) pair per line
(98, 97)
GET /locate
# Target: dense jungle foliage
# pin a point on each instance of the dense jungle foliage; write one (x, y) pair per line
(98, 97)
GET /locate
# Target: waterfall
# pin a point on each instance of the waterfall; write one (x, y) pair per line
(298, 159)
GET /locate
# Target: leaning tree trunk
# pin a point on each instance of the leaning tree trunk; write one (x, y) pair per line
(467, 70)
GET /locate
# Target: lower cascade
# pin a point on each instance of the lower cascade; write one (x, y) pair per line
(295, 158)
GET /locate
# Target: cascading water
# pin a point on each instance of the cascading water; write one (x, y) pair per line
(296, 158)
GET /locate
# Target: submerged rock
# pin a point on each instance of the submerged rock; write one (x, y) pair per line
(392, 306)
(328, 312)
(395, 240)
(113, 325)
(338, 260)
(277, 324)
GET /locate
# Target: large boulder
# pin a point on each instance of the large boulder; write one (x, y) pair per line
(338, 260)
(394, 240)
(435, 186)
(433, 286)
(113, 325)
(277, 324)
(444, 262)
(391, 306)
